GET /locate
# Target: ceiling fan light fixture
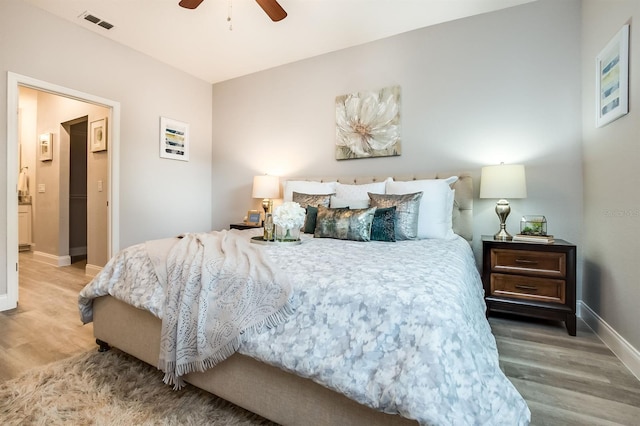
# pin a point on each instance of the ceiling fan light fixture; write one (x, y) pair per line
(271, 7)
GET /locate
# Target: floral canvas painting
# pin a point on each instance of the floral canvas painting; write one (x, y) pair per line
(368, 124)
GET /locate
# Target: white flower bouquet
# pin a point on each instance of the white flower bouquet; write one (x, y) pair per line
(289, 218)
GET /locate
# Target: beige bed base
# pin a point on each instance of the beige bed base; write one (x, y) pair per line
(265, 390)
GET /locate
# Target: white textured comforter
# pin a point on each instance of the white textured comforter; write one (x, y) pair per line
(399, 327)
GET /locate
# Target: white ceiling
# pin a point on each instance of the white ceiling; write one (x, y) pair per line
(201, 43)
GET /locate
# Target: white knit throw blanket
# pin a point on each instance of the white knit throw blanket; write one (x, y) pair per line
(219, 288)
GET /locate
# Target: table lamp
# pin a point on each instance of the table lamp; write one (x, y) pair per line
(266, 187)
(502, 182)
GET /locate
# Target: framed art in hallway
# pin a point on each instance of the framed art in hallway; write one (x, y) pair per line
(174, 139)
(98, 135)
(45, 142)
(612, 79)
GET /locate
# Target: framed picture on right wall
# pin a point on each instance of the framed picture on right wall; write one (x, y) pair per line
(612, 79)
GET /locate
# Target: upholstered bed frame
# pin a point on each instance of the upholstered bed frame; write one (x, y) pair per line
(277, 395)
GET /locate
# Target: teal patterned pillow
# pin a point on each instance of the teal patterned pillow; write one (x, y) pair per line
(383, 226)
(407, 209)
(344, 224)
(310, 220)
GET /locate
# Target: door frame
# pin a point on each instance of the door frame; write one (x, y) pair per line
(14, 81)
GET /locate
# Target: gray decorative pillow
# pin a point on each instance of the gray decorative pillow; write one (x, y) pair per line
(344, 224)
(311, 199)
(310, 219)
(407, 209)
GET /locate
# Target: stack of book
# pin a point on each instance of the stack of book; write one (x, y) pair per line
(543, 239)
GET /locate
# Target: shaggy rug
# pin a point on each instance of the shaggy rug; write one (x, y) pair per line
(111, 388)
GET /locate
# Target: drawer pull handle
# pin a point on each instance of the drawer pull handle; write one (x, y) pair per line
(526, 287)
(527, 262)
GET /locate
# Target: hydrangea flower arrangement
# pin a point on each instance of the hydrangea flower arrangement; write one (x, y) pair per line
(289, 217)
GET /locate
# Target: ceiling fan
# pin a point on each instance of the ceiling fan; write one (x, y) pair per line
(270, 7)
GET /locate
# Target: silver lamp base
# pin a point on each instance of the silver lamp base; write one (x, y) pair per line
(502, 210)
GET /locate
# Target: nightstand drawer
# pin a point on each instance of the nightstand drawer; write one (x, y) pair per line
(530, 288)
(550, 264)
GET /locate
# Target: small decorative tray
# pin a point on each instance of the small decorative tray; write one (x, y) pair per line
(260, 240)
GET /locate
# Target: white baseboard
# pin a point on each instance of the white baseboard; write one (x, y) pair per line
(92, 270)
(629, 355)
(52, 259)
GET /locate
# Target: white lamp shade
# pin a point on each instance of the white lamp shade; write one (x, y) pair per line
(266, 186)
(503, 181)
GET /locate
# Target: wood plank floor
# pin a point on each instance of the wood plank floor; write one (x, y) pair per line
(565, 380)
(46, 326)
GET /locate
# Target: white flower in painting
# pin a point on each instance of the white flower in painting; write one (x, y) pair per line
(289, 215)
(367, 122)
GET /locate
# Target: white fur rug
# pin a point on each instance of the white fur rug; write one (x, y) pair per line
(111, 388)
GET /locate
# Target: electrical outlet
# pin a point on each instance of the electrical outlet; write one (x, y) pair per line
(41, 187)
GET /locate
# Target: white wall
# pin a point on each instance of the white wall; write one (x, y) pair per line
(498, 87)
(158, 197)
(612, 182)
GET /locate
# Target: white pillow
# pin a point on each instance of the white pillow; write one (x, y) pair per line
(307, 187)
(436, 205)
(349, 202)
(360, 192)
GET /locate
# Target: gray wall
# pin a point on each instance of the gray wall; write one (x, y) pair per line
(611, 179)
(500, 87)
(158, 197)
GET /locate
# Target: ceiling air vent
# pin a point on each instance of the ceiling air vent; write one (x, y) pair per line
(95, 20)
(92, 18)
(105, 25)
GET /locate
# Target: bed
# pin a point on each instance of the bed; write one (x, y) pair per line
(440, 367)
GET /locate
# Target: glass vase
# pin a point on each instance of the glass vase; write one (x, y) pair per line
(284, 235)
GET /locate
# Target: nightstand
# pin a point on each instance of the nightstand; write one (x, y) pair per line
(532, 279)
(243, 226)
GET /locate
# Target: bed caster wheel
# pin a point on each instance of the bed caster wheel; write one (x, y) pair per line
(103, 346)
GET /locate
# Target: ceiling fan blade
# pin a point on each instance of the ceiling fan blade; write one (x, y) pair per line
(190, 4)
(273, 9)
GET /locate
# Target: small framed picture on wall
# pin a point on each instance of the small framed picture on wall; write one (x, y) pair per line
(174, 139)
(98, 135)
(612, 79)
(45, 142)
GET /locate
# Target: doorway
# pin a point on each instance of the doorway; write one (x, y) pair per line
(9, 296)
(77, 189)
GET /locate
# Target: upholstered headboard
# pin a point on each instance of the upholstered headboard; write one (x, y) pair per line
(463, 202)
